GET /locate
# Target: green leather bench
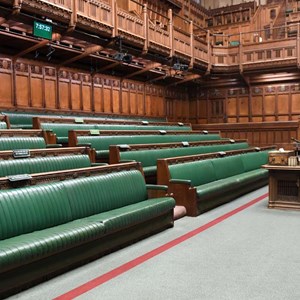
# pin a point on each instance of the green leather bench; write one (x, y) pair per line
(148, 158)
(204, 183)
(24, 119)
(45, 160)
(48, 228)
(62, 126)
(62, 130)
(101, 141)
(13, 139)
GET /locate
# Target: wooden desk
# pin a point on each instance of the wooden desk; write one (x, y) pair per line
(284, 182)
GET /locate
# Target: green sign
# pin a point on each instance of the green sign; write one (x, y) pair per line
(42, 30)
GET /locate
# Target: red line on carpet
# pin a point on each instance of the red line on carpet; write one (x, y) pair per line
(143, 258)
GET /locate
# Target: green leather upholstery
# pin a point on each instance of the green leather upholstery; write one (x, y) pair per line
(220, 180)
(102, 143)
(121, 189)
(33, 208)
(148, 158)
(43, 220)
(43, 164)
(19, 142)
(61, 130)
(24, 120)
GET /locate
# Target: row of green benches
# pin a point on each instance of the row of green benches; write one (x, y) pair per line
(51, 224)
(97, 209)
(24, 119)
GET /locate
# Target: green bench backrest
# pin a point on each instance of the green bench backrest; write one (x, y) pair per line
(20, 142)
(205, 171)
(228, 166)
(254, 160)
(33, 208)
(38, 207)
(149, 157)
(103, 142)
(43, 164)
(106, 192)
(62, 130)
(198, 172)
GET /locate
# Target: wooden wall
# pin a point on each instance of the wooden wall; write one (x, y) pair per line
(268, 103)
(31, 85)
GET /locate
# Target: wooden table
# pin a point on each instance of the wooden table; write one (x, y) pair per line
(284, 182)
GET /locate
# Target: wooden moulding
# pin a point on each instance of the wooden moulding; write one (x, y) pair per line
(37, 121)
(49, 137)
(9, 154)
(72, 137)
(46, 177)
(114, 150)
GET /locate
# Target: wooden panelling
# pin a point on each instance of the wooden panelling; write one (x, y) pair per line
(36, 92)
(63, 95)
(140, 103)
(243, 103)
(257, 104)
(22, 92)
(269, 104)
(283, 105)
(295, 103)
(86, 98)
(6, 90)
(107, 100)
(258, 133)
(75, 95)
(231, 107)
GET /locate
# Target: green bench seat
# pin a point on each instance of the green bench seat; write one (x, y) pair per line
(42, 225)
(218, 180)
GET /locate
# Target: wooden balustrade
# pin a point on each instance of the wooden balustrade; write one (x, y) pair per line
(174, 36)
(130, 27)
(159, 38)
(182, 42)
(97, 10)
(63, 3)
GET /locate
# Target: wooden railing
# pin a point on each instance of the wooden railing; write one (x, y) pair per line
(129, 24)
(96, 10)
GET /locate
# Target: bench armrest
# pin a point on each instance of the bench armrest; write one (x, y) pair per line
(53, 145)
(183, 181)
(156, 187)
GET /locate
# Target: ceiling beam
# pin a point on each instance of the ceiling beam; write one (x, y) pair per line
(88, 51)
(55, 37)
(146, 69)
